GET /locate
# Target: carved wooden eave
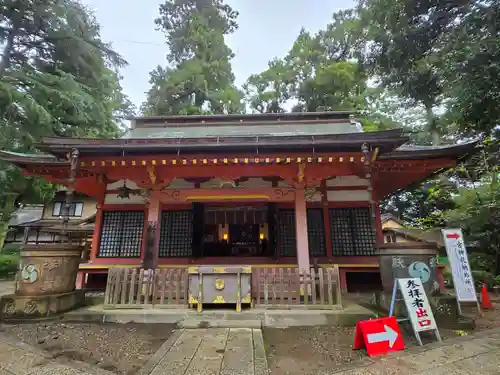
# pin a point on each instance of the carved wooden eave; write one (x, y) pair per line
(227, 183)
(217, 195)
(311, 192)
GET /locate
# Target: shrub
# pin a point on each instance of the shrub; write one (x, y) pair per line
(9, 265)
(11, 249)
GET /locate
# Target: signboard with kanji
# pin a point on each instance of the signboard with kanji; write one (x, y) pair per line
(378, 336)
(459, 263)
(417, 305)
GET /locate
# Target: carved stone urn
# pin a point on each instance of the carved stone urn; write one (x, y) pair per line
(48, 269)
(45, 283)
(409, 260)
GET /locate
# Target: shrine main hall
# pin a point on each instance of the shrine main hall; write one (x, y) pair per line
(266, 190)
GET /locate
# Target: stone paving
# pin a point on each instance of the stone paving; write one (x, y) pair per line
(219, 351)
(474, 354)
(240, 351)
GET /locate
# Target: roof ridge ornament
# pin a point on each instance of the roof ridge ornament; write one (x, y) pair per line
(358, 124)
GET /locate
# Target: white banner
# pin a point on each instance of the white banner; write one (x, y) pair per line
(417, 304)
(459, 263)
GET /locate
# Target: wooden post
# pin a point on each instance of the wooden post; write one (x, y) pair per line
(303, 261)
(326, 222)
(378, 224)
(367, 166)
(96, 236)
(301, 231)
(150, 258)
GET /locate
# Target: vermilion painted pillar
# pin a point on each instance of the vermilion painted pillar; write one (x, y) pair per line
(326, 222)
(440, 277)
(154, 219)
(80, 281)
(301, 231)
(154, 206)
(378, 224)
(96, 236)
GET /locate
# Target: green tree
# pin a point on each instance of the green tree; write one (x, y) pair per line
(438, 54)
(423, 205)
(198, 78)
(401, 51)
(328, 75)
(477, 212)
(318, 73)
(57, 77)
(269, 91)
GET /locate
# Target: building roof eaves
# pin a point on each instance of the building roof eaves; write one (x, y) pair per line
(27, 159)
(248, 117)
(49, 144)
(53, 222)
(388, 216)
(428, 152)
(415, 234)
(229, 147)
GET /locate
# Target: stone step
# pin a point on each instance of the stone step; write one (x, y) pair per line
(220, 323)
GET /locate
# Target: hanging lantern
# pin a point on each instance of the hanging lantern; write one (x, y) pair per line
(124, 191)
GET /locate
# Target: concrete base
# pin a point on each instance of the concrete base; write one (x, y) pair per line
(252, 318)
(444, 308)
(14, 307)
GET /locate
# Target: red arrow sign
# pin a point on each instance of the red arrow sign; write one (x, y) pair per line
(453, 235)
(388, 334)
(378, 336)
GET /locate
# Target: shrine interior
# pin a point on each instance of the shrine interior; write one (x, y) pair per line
(236, 231)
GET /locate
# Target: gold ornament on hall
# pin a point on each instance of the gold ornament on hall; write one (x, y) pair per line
(219, 284)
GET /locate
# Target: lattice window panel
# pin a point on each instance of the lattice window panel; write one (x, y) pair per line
(352, 231)
(121, 234)
(176, 234)
(316, 232)
(286, 233)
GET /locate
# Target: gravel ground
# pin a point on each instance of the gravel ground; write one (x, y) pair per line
(317, 350)
(490, 318)
(121, 348)
(308, 350)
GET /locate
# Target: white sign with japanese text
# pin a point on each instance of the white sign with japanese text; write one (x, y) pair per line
(459, 263)
(417, 304)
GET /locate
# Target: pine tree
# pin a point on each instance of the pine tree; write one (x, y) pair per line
(198, 78)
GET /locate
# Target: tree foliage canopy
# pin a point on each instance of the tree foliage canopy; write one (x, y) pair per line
(198, 78)
(57, 77)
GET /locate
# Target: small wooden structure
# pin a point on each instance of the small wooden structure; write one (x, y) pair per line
(287, 288)
(133, 288)
(220, 285)
(272, 288)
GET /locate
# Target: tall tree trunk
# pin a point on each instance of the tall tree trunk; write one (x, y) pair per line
(432, 124)
(7, 52)
(6, 214)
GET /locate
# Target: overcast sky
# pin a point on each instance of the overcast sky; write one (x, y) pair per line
(267, 28)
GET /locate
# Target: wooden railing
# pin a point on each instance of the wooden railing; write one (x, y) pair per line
(286, 288)
(272, 288)
(133, 288)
